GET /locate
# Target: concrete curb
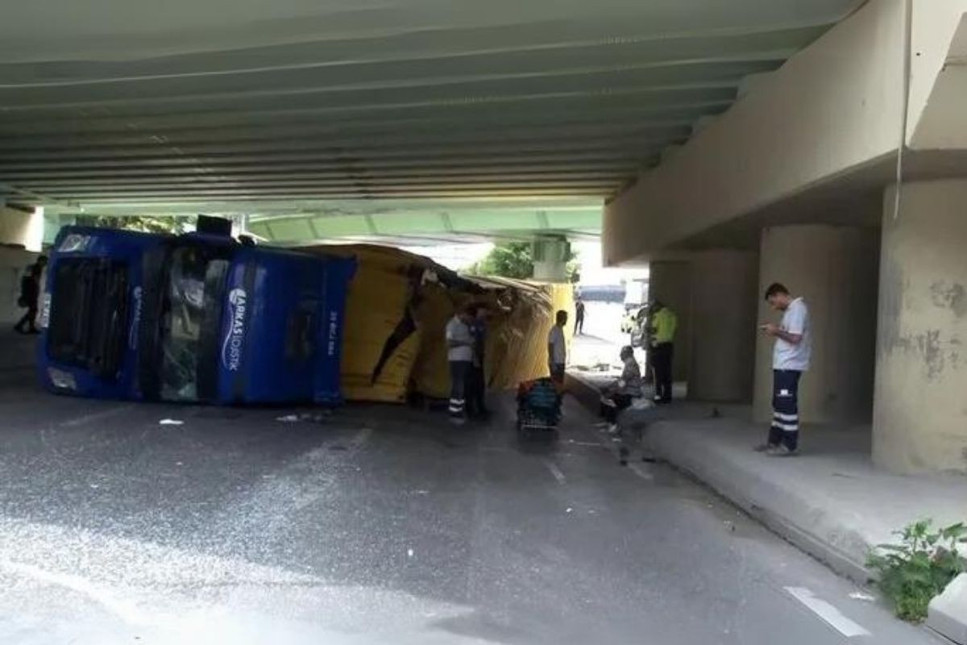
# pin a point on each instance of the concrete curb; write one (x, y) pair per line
(947, 614)
(583, 390)
(800, 520)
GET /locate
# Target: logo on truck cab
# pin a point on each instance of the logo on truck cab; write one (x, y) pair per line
(235, 336)
(135, 318)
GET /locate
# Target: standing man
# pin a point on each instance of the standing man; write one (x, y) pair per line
(790, 358)
(29, 295)
(557, 348)
(579, 317)
(477, 394)
(663, 325)
(460, 356)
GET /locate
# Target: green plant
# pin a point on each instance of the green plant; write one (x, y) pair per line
(516, 260)
(912, 572)
(143, 223)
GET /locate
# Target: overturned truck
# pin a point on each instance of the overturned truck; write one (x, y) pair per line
(398, 305)
(205, 318)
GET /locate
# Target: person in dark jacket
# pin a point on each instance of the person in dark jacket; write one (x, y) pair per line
(477, 382)
(29, 295)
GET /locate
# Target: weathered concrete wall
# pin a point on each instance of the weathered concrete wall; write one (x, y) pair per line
(671, 282)
(938, 75)
(835, 270)
(723, 317)
(920, 409)
(832, 108)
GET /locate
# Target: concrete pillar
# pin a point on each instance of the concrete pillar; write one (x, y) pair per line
(835, 270)
(20, 238)
(920, 405)
(723, 316)
(671, 282)
(22, 227)
(550, 259)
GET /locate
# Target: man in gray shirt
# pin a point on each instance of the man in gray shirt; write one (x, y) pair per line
(790, 358)
(460, 356)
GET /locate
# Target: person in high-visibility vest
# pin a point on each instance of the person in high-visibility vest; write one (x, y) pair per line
(662, 327)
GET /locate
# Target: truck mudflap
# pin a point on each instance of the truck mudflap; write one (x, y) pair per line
(326, 386)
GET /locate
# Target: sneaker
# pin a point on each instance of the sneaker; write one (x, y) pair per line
(613, 429)
(764, 447)
(782, 451)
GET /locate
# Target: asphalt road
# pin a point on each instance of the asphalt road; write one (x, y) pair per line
(379, 525)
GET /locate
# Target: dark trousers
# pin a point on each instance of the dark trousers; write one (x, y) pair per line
(661, 361)
(579, 325)
(476, 392)
(611, 412)
(459, 373)
(557, 373)
(785, 408)
(29, 320)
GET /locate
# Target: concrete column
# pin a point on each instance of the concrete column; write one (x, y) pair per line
(920, 405)
(835, 270)
(22, 227)
(671, 282)
(550, 259)
(723, 316)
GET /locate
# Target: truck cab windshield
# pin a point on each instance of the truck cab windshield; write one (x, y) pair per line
(189, 319)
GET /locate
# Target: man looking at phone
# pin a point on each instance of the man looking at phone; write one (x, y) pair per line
(790, 358)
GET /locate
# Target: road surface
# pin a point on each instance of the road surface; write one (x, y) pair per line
(379, 524)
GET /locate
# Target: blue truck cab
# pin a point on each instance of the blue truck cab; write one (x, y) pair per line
(193, 318)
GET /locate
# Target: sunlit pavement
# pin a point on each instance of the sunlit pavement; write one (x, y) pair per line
(380, 524)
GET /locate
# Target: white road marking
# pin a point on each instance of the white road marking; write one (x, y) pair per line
(832, 616)
(587, 444)
(123, 609)
(557, 472)
(94, 416)
(641, 472)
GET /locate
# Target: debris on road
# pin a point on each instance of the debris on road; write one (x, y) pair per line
(859, 595)
(170, 422)
(317, 417)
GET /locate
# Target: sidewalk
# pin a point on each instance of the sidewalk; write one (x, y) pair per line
(830, 500)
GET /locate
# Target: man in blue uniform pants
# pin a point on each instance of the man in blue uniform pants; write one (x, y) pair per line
(790, 358)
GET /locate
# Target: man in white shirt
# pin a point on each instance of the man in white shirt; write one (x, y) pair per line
(557, 349)
(790, 358)
(460, 356)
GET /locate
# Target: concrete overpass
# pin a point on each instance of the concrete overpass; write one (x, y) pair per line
(797, 182)
(205, 105)
(733, 144)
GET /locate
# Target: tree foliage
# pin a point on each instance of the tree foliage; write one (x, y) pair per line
(142, 223)
(516, 260)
